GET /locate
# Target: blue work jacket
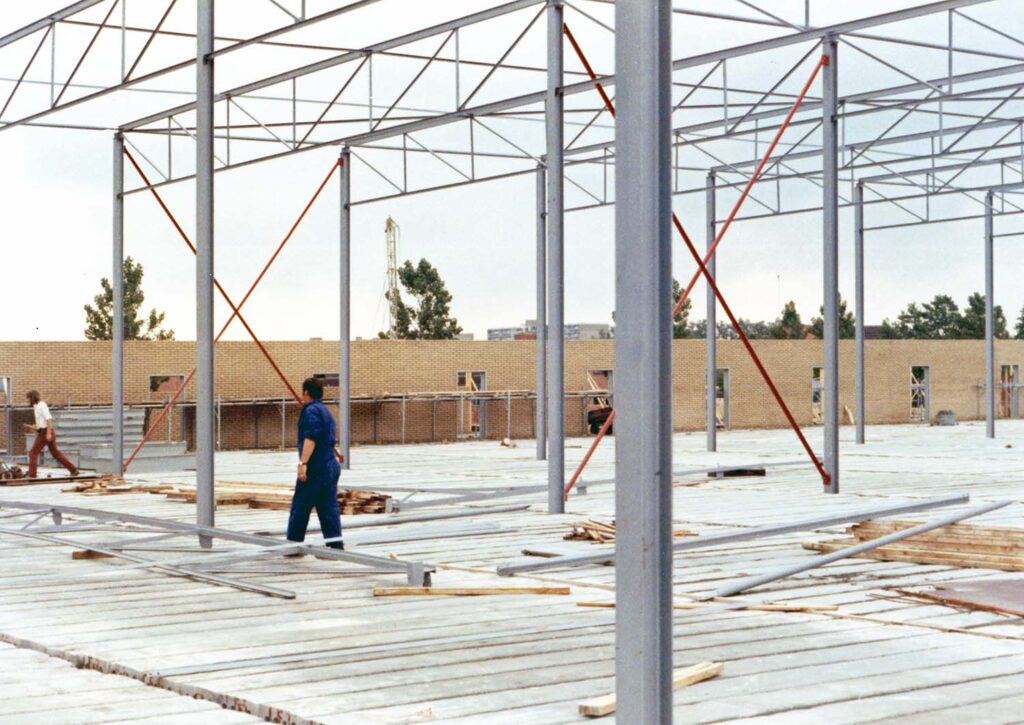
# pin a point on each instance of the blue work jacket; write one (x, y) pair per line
(317, 424)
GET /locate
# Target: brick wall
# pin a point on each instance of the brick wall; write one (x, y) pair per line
(78, 373)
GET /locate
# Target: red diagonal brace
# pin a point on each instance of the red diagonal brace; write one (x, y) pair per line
(235, 310)
(702, 269)
(750, 183)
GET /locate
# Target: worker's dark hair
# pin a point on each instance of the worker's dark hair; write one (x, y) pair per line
(33, 396)
(314, 387)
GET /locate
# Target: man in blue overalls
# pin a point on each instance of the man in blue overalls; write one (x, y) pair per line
(316, 485)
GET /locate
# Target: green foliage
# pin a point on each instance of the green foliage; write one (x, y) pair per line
(680, 323)
(430, 318)
(847, 325)
(99, 319)
(941, 319)
(788, 326)
(972, 323)
(1018, 329)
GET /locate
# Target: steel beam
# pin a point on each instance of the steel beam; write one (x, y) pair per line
(858, 241)
(345, 328)
(990, 352)
(745, 584)
(206, 439)
(643, 354)
(117, 314)
(732, 537)
(45, 22)
(830, 260)
(554, 119)
(418, 574)
(711, 334)
(540, 412)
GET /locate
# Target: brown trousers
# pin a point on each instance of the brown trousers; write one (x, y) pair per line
(39, 445)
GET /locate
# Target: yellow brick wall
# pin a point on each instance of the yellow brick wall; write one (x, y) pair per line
(79, 373)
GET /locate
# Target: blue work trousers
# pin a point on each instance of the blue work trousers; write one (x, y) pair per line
(319, 492)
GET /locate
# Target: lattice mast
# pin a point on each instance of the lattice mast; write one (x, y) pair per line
(391, 232)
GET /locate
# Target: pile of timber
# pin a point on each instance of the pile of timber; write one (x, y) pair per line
(242, 494)
(109, 486)
(25, 481)
(603, 533)
(349, 501)
(959, 545)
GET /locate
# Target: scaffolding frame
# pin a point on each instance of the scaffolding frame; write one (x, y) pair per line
(916, 151)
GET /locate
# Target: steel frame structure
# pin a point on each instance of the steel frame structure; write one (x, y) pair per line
(915, 146)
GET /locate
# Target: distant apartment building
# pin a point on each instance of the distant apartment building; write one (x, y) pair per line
(573, 331)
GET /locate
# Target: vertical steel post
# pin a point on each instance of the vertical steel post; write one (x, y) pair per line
(540, 409)
(830, 260)
(117, 315)
(205, 431)
(553, 118)
(990, 352)
(643, 354)
(345, 329)
(858, 239)
(712, 322)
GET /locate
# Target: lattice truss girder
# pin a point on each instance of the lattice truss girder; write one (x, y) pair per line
(932, 113)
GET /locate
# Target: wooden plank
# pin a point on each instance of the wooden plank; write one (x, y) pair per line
(924, 556)
(601, 706)
(89, 554)
(464, 591)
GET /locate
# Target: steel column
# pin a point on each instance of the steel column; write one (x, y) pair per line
(345, 327)
(990, 352)
(858, 239)
(553, 120)
(540, 409)
(830, 260)
(117, 314)
(643, 353)
(205, 431)
(712, 325)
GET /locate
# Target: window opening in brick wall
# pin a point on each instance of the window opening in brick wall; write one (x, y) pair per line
(328, 380)
(722, 398)
(1009, 391)
(7, 401)
(920, 393)
(599, 406)
(472, 413)
(162, 387)
(817, 395)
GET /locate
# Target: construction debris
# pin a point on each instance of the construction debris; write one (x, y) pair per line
(109, 486)
(24, 481)
(465, 591)
(602, 533)
(960, 545)
(247, 495)
(601, 706)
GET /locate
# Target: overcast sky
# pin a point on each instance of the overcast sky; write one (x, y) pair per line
(55, 192)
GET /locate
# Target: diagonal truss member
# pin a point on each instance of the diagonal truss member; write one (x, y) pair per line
(703, 270)
(235, 310)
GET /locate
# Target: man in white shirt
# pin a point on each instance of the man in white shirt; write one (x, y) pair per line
(45, 436)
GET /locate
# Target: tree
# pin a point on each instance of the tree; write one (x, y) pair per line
(972, 322)
(1018, 330)
(942, 317)
(847, 325)
(99, 319)
(681, 322)
(430, 318)
(788, 326)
